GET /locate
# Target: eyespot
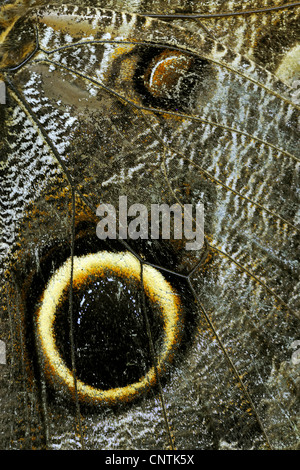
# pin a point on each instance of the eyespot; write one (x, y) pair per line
(173, 79)
(91, 272)
(165, 76)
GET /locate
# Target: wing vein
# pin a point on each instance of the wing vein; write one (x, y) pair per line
(173, 113)
(231, 364)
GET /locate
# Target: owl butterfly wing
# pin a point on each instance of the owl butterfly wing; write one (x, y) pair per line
(266, 34)
(103, 100)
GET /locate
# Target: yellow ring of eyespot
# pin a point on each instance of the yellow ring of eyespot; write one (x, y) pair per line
(125, 265)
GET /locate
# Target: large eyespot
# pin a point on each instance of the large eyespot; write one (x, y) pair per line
(172, 79)
(95, 278)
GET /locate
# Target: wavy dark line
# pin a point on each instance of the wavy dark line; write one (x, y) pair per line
(173, 113)
(221, 15)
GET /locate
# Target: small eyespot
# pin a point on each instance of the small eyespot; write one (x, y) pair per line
(165, 76)
(173, 79)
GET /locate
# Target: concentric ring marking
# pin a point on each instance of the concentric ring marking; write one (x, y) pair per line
(124, 265)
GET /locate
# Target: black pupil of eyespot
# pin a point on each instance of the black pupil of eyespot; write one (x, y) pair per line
(110, 335)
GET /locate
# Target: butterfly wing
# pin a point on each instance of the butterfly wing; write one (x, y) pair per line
(108, 116)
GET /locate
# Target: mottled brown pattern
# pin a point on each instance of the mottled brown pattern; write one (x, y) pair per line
(82, 125)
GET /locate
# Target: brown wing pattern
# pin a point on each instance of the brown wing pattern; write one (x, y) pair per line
(166, 347)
